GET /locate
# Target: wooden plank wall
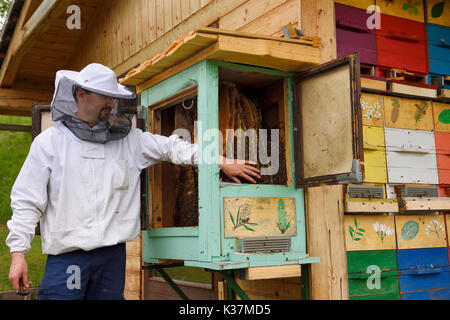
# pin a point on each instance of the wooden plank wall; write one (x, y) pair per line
(124, 28)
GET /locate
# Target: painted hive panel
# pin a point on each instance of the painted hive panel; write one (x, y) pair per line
(353, 35)
(439, 48)
(443, 156)
(423, 269)
(362, 4)
(364, 232)
(372, 109)
(259, 217)
(407, 9)
(373, 275)
(401, 44)
(420, 231)
(374, 155)
(438, 12)
(434, 294)
(411, 156)
(404, 113)
(441, 113)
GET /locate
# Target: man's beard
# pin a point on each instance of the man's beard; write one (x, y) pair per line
(104, 114)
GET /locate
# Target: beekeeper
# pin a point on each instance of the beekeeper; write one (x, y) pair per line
(81, 181)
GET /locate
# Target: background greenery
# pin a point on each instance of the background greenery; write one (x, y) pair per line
(14, 147)
(4, 5)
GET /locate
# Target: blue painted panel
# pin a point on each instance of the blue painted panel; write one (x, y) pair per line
(412, 258)
(439, 48)
(435, 294)
(422, 269)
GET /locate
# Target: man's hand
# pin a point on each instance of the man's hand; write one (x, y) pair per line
(19, 270)
(234, 168)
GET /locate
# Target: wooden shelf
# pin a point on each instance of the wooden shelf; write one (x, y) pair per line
(368, 205)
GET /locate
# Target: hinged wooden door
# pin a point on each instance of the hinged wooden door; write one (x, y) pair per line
(327, 124)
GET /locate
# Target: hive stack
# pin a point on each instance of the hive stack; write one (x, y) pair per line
(398, 236)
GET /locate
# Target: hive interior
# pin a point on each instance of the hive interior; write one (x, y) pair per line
(247, 100)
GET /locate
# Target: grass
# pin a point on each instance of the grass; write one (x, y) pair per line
(14, 147)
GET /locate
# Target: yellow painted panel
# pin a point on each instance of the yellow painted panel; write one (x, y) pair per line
(259, 217)
(375, 166)
(369, 232)
(374, 155)
(363, 4)
(447, 216)
(372, 109)
(420, 231)
(441, 10)
(373, 138)
(408, 9)
(438, 109)
(406, 113)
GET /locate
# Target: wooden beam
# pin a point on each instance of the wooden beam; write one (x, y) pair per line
(19, 101)
(14, 127)
(277, 272)
(27, 34)
(204, 17)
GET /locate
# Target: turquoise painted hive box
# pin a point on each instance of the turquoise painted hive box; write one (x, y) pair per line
(263, 99)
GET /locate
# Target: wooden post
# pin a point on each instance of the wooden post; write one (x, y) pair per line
(325, 239)
(317, 19)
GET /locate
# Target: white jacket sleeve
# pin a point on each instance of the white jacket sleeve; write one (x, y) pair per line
(154, 148)
(28, 198)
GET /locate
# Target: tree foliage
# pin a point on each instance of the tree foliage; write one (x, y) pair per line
(4, 5)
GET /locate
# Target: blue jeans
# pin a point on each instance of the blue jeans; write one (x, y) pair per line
(98, 274)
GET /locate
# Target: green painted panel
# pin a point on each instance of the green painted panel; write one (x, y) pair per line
(358, 261)
(373, 275)
(390, 296)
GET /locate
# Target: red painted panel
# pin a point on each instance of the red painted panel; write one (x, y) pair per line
(443, 156)
(352, 34)
(401, 44)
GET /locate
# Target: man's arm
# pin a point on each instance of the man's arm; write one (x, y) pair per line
(28, 201)
(155, 148)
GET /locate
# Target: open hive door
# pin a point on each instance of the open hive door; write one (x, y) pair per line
(327, 124)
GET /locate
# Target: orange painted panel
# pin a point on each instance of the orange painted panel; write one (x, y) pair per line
(443, 156)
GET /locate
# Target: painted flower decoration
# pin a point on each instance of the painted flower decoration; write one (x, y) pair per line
(434, 227)
(371, 111)
(242, 218)
(245, 213)
(382, 230)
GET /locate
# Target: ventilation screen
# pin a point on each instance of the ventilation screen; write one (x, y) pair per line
(265, 245)
(365, 192)
(420, 191)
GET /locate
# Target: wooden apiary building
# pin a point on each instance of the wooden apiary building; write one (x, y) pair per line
(358, 119)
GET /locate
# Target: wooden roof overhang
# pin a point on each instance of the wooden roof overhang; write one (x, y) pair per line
(231, 46)
(40, 45)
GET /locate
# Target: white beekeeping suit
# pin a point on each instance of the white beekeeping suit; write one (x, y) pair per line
(82, 183)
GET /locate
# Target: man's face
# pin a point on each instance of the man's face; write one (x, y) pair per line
(93, 107)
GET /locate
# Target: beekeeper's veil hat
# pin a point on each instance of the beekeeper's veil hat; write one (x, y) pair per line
(98, 79)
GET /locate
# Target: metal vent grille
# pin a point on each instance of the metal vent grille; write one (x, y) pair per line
(365, 192)
(420, 191)
(265, 245)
